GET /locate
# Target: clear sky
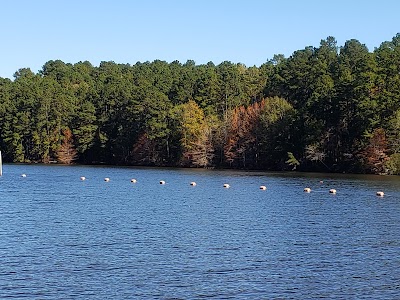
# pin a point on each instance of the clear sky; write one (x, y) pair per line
(127, 31)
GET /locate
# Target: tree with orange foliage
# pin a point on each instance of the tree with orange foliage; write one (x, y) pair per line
(375, 154)
(144, 151)
(241, 146)
(66, 153)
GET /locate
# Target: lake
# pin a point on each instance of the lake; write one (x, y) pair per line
(64, 238)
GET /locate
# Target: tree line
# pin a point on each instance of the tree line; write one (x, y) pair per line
(325, 108)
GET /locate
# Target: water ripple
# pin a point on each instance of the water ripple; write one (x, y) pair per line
(69, 239)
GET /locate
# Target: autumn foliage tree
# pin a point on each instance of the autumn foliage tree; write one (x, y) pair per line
(195, 135)
(66, 153)
(141, 149)
(375, 154)
(241, 141)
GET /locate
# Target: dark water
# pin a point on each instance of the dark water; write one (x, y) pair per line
(63, 238)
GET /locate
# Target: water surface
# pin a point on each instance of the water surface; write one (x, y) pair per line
(70, 239)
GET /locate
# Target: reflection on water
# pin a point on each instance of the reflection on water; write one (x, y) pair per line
(66, 238)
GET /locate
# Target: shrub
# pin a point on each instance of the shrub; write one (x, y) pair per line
(393, 164)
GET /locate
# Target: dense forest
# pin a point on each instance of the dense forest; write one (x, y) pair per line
(326, 108)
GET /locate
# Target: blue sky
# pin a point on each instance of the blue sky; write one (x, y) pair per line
(123, 31)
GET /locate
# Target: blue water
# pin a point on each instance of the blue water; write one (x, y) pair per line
(63, 238)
